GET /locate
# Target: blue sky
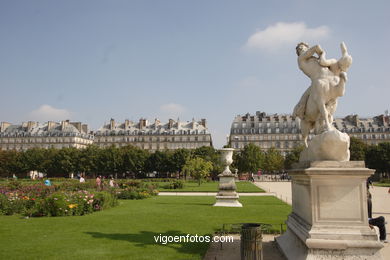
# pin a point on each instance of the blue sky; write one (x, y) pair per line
(94, 60)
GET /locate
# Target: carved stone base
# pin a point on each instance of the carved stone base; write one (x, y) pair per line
(329, 218)
(331, 145)
(227, 195)
(227, 201)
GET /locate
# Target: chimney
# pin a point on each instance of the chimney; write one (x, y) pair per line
(381, 120)
(51, 125)
(170, 123)
(30, 125)
(3, 126)
(63, 124)
(193, 123)
(142, 123)
(84, 127)
(77, 125)
(156, 123)
(203, 122)
(112, 124)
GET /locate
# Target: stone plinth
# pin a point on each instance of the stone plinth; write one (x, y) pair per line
(329, 218)
(227, 195)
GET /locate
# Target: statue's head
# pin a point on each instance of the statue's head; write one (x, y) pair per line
(345, 62)
(301, 47)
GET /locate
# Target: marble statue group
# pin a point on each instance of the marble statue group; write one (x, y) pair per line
(318, 103)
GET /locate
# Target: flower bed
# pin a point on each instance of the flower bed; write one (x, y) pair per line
(40, 200)
(136, 189)
(68, 197)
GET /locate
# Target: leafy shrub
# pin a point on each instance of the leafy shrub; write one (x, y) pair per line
(136, 194)
(14, 185)
(56, 205)
(104, 200)
(175, 184)
(126, 184)
(75, 185)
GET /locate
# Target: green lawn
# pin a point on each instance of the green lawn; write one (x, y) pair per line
(127, 231)
(382, 184)
(212, 186)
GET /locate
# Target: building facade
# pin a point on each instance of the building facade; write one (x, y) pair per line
(156, 136)
(47, 135)
(283, 131)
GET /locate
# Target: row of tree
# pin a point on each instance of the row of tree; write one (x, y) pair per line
(133, 161)
(376, 156)
(92, 161)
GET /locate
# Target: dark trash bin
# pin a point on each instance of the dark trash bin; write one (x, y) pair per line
(251, 242)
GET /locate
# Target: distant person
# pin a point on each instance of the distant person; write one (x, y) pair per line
(379, 222)
(99, 182)
(252, 177)
(82, 180)
(112, 182)
(47, 182)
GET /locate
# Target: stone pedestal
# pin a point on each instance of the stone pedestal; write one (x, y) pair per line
(227, 195)
(329, 218)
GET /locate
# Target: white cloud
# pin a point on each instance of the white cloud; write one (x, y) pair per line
(49, 113)
(172, 110)
(281, 34)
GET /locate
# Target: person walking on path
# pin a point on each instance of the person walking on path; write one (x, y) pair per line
(99, 183)
(82, 180)
(379, 222)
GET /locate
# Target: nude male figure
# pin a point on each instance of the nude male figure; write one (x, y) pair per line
(318, 104)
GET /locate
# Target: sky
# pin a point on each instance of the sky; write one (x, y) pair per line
(94, 60)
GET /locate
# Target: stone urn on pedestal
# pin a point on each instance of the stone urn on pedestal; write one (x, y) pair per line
(227, 195)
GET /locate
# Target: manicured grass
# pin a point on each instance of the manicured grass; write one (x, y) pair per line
(127, 231)
(212, 186)
(382, 184)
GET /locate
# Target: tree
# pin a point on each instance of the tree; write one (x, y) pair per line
(357, 149)
(250, 159)
(378, 157)
(179, 159)
(11, 163)
(212, 155)
(293, 156)
(158, 161)
(65, 161)
(89, 160)
(110, 160)
(198, 168)
(274, 160)
(134, 159)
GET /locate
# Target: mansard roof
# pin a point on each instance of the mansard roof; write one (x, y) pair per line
(143, 127)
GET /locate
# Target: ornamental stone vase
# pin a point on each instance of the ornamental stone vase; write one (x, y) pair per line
(227, 195)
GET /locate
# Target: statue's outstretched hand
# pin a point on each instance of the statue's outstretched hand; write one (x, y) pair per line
(343, 75)
(344, 50)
